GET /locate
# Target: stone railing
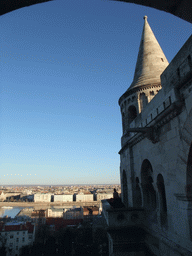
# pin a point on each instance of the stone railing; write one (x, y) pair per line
(122, 217)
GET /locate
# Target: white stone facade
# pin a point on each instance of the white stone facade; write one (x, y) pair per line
(156, 156)
(55, 212)
(16, 236)
(42, 197)
(76, 213)
(101, 196)
(84, 198)
(63, 198)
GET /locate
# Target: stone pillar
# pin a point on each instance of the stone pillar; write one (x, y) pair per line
(184, 223)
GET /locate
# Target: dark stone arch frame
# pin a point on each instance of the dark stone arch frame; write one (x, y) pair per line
(149, 193)
(125, 188)
(138, 194)
(132, 113)
(181, 9)
(162, 200)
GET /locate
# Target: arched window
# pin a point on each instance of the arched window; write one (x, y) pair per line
(162, 199)
(125, 189)
(123, 122)
(132, 113)
(138, 197)
(152, 94)
(143, 100)
(133, 98)
(149, 193)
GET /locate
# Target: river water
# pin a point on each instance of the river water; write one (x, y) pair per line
(10, 212)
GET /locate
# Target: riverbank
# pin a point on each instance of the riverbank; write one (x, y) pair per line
(42, 205)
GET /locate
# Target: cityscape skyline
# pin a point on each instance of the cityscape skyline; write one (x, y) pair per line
(59, 185)
(64, 67)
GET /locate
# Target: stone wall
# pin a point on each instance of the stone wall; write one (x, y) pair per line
(145, 162)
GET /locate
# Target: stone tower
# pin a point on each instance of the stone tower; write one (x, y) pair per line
(151, 62)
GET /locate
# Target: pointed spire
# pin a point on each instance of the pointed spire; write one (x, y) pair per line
(151, 61)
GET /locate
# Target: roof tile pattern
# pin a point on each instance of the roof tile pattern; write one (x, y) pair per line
(151, 60)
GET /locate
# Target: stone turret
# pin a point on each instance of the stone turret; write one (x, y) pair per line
(151, 62)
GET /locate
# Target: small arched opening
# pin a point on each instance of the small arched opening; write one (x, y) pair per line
(123, 122)
(125, 189)
(162, 200)
(149, 193)
(138, 196)
(143, 101)
(132, 113)
(152, 95)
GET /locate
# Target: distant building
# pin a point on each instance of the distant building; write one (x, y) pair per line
(56, 224)
(16, 236)
(101, 196)
(90, 210)
(84, 198)
(63, 198)
(76, 213)
(30, 198)
(54, 212)
(42, 197)
(38, 216)
(2, 196)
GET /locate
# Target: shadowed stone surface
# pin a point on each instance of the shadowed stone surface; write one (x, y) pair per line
(11, 5)
(159, 170)
(179, 8)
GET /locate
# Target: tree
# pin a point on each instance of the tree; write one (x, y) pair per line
(42, 234)
(3, 241)
(37, 249)
(65, 238)
(100, 236)
(60, 236)
(25, 250)
(50, 246)
(101, 240)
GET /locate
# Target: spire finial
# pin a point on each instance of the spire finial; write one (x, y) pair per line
(145, 17)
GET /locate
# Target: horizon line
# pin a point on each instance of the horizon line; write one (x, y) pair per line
(79, 184)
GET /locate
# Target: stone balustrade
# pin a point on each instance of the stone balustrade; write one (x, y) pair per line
(122, 217)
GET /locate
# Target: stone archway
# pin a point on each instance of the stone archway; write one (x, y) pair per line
(142, 101)
(183, 171)
(138, 196)
(184, 162)
(182, 10)
(125, 189)
(132, 113)
(162, 200)
(149, 193)
(184, 165)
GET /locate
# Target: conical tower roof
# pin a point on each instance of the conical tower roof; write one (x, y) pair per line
(151, 60)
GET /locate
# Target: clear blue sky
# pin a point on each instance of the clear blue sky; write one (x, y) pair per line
(64, 65)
